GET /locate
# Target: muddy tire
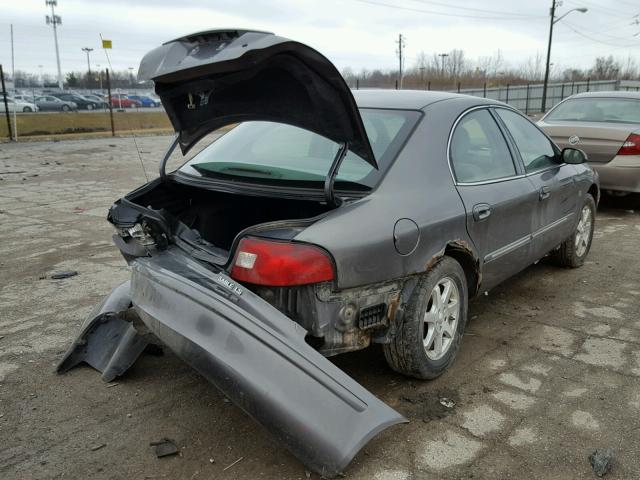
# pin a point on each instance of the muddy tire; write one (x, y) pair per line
(429, 332)
(574, 250)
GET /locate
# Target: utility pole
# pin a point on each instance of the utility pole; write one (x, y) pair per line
(13, 64)
(552, 16)
(6, 107)
(55, 20)
(443, 56)
(552, 21)
(400, 59)
(88, 50)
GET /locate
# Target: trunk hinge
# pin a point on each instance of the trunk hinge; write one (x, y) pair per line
(165, 159)
(329, 194)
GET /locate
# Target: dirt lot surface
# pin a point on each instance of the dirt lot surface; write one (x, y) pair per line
(549, 369)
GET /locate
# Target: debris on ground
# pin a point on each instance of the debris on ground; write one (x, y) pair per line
(98, 447)
(62, 275)
(447, 402)
(429, 406)
(164, 447)
(232, 464)
(601, 461)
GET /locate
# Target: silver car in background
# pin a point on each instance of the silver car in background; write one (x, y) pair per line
(606, 126)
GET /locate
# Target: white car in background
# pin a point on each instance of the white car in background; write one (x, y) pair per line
(17, 106)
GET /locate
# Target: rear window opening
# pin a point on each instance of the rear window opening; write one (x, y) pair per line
(596, 109)
(281, 154)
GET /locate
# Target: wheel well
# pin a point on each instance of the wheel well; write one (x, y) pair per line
(468, 263)
(594, 192)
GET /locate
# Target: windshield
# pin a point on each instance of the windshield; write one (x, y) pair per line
(283, 154)
(597, 109)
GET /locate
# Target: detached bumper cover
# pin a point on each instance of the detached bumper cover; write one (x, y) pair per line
(257, 357)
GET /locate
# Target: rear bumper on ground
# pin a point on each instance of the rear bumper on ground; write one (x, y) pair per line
(253, 354)
(620, 174)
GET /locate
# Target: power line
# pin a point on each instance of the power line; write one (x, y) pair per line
(599, 33)
(471, 9)
(598, 41)
(431, 12)
(598, 7)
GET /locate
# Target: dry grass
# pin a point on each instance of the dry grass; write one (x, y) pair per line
(43, 125)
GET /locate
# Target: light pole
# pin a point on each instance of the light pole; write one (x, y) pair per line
(553, 20)
(88, 50)
(55, 20)
(443, 56)
(99, 74)
(131, 75)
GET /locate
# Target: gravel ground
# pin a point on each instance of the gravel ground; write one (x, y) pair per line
(549, 369)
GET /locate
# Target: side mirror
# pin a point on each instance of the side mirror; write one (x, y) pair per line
(573, 156)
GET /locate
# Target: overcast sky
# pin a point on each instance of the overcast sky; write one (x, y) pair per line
(356, 33)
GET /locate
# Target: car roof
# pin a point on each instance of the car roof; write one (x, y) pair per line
(406, 99)
(611, 94)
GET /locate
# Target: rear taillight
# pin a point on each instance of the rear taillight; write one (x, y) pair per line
(279, 264)
(631, 146)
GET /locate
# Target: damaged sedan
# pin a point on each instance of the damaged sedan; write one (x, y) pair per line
(320, 221)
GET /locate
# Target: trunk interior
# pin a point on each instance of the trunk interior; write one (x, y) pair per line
(219, 217)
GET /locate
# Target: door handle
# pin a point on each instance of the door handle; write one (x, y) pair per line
(481, 211)
(544, 192)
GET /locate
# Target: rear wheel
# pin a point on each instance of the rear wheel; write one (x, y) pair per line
(65, 108)
(89, 107)
(429, 332)
(574, 250)
(27, 109)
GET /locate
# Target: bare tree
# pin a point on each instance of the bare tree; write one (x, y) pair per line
(605, 68)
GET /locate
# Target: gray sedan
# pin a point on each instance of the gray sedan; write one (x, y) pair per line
(325, 221)
(606, 125)
(49, 103)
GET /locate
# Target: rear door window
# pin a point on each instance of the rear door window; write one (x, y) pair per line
(535, 148)
(479, 152)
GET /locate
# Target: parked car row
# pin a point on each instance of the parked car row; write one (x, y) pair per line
(73, 101)
(17, 105)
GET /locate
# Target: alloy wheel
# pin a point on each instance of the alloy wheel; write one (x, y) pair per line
(583, 231)
(441, 318)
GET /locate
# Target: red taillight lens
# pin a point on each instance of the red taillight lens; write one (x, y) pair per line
(631, 146)
(279, 264)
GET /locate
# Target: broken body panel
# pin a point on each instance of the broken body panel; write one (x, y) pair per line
(254, 354)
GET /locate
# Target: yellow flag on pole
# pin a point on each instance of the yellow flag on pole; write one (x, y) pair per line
(106, 43)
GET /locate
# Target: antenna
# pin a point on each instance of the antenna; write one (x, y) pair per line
(135, 141)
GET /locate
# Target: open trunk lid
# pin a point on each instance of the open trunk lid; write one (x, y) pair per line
(210, 79)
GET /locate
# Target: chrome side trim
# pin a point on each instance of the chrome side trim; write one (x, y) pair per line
(510, 247)
(521, 242)
(551, 226)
